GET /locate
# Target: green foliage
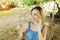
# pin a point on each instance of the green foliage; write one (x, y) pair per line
(34, 2)
(58, 1)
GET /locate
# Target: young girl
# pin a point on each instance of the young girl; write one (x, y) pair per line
(36, 29)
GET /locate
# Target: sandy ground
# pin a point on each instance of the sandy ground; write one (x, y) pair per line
(53, 32)
(8, 28)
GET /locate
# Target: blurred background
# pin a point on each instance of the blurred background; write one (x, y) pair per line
(9, 19)
(51, 10)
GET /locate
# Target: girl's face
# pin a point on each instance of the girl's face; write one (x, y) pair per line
(35, 14)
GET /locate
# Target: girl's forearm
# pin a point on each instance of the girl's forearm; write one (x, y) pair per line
(39, 34)
(44, 33)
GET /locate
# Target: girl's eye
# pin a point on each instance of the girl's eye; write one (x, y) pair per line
(35, 14)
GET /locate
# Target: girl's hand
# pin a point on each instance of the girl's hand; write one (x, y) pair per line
(20, 26)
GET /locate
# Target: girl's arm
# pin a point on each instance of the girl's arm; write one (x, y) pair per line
(23, 28)
(44, 33)
(39, 33)
(39, 30)
(20, 29)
